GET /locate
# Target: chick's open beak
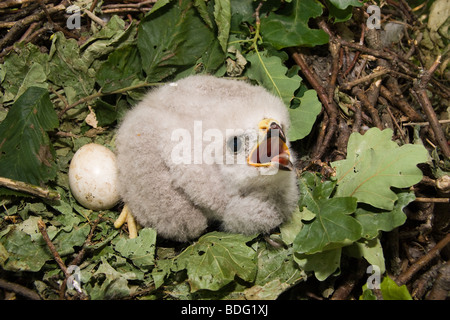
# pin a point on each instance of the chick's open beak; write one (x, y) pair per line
(272, 148)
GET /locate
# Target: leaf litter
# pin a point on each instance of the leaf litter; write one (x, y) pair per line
(61, 89)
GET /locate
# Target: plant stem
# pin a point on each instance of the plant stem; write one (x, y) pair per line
(101, 94)
(29, 188)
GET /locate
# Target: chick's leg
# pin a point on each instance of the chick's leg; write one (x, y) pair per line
(126, 216)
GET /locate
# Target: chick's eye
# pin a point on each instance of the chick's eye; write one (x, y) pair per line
(235, 144)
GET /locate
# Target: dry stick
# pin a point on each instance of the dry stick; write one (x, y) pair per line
(433, 200)
(17, 288)
(29, 188)
(365, 102)
(400, 104)
(373, 75)
(80, 255)
(424, 124)
(420, 87)
(21, 24)
(51, 246)
(323, 96)
(441, 285)
(101, 94)
(419, 264)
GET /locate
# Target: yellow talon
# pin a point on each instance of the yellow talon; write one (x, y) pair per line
(126, 216)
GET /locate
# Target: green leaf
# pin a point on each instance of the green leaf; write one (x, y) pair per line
(68, 70)
(370, 250)
(374, 164)
(140, 250)
(26, 153)
(171, 39)
(289, 26)
(269, 72)
(277, 265)
(323, 264)
(373, 221)
(111, 36)
(122, 69)
(108, 283)
(222, 15)
(389, 291)
(23, 254)
(292, 227)
(24, 69)
(343, 4)
(304, 116)
(216, 259)
(333, 227)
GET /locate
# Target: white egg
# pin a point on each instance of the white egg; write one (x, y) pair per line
(93, 177)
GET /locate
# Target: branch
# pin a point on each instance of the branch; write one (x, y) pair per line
(424, 260)
(29, 188)
(420, 87)
(101, 94)
(17, 288)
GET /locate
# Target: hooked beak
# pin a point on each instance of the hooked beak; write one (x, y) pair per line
(272, 150)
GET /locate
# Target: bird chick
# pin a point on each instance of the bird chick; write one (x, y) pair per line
(207, 149)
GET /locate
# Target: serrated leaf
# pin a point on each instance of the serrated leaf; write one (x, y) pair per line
(24, 67)
(277, 265)
(374, 164)
(303, 117)
(140, 250)
(216, 259)
(111, 36)
(68, 70)
(25, 150)
(270, 73)
(172, 39)
(24, 254)
(289, 26)
(122, 69)
(222, 15)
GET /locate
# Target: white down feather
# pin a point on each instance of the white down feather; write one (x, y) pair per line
(179, 199)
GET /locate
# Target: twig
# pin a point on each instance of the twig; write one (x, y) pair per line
(323, 96)
(366, 103)
(29, 188)
(433, 200)
(101, 94)
(51, 246)
(419, 264)
(21, 24)
(424, 124)
(420, 88)
(373, 75)
(397, 100)
(352, 279)
(95, 18)
(80, 255)
(17, 288)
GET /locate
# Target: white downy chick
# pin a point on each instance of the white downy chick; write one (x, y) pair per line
(207, 149)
